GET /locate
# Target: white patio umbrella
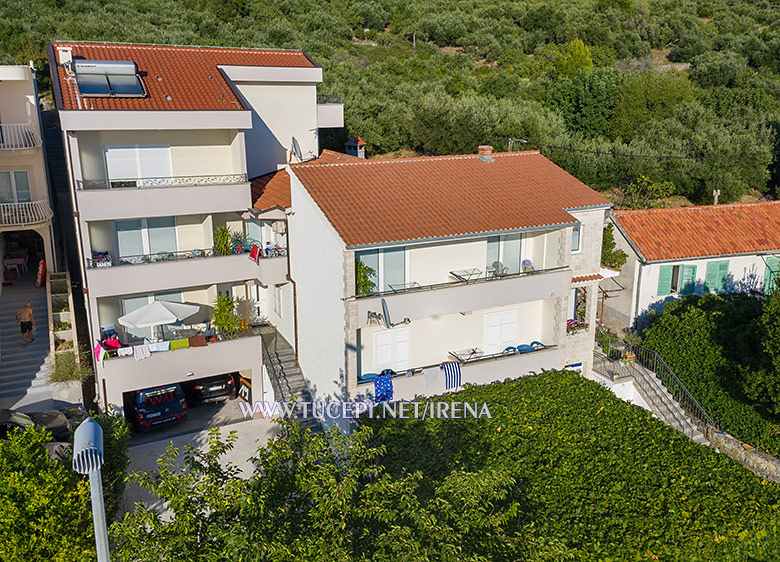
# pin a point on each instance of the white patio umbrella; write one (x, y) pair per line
(158, 313)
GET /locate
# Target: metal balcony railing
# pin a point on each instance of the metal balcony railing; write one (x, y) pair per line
(329, 99)
(103, 259)
(27, 213)
(15, 136)
(172, 181)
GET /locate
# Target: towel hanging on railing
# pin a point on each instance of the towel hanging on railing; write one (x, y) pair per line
(451, 375)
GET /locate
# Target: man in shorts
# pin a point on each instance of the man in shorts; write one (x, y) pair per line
(25, 315)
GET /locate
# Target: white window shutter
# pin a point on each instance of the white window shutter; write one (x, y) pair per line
(383, 350)
(509, 332)
(492, 340)
(122, 162)
(155, 162)
(402, 348)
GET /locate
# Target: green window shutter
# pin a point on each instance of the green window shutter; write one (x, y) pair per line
(665, 280)
(711, 276)
(772, 269)
(723, 275)
(688, 279)
(717, 275)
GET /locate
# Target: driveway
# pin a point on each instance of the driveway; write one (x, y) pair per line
(251, 434)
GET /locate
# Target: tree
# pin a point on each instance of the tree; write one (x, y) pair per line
(764, 385)
(610, 255)
(364, 278)
(719, 69)
(645, 194)
(576, 56)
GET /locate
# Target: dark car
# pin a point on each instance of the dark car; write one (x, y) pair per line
(56, 422)
(159, 405)
(214, 388)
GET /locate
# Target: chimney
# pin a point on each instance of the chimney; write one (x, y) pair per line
(65, 54)
(355, 146)
(485, 153)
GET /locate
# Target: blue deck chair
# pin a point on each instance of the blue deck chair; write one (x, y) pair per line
(538, 345)
(524, 348)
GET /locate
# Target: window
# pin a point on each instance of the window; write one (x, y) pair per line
(278, 300)
(392, 349)
(14, 187)
(507, 250)
(138, 166)
(500, 331)
(154, 236)
(389, 270)
(676, 279)
(716, 277)
(576, 238)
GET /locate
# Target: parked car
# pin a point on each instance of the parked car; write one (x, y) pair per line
(210, 389)
(56, 422)
(155, 406)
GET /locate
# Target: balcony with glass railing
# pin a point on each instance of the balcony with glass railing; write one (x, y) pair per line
(18, 136)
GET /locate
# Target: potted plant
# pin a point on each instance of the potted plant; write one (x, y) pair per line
(224, 318)
(223, 241)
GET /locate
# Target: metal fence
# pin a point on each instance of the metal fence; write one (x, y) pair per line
(172, 181)
(14, 136)
(27, 212)
(622, 359)
(105, 260)
(273, 365)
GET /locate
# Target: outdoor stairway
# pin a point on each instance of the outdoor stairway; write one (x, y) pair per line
(284, 355)
(24, 369)
(652, 389)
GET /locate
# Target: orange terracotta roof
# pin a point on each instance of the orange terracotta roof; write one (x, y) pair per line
(586, 278)
(188, 75)
(273, 190)
(357, 140)
(375, 201)
(712, 230)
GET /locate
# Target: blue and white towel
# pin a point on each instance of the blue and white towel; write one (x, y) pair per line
(451, 375)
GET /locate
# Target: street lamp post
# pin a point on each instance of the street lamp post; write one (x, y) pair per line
(87, 459)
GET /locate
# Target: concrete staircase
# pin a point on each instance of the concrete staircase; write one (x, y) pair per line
(663, 404)
(24, 369)
(284, 355)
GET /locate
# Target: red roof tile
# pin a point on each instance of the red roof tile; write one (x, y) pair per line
(189, 75)
(586, 278)
(376, 201)
(712, 230)
(273, 190)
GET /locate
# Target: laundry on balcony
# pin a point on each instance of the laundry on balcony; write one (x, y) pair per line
(451, 375)
(160, 346)
(102, 259)
(183, 343)
(432, 376)
(141, 352)
(124, 351)
(383, 387)
(198, 341)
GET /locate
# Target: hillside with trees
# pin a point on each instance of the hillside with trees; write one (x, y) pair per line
(689, 88)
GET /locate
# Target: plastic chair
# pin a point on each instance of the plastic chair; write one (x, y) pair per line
(528, 267)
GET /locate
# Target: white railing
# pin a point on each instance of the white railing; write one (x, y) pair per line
(21, 214)
(14, 136)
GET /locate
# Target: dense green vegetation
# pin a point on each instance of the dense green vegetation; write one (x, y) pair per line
(563, 470)
(45, 509)
(443, 77)
(726, 351)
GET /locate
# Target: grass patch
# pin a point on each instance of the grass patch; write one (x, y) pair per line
(66, 369)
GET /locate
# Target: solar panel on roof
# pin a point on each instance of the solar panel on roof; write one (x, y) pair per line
(126, 86)
(93, 85)
(109, 79)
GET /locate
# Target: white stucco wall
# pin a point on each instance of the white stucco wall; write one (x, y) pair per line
(316, 265)
(279, 113)
(626, 391)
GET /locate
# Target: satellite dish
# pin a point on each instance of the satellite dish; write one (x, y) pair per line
(296, 148)
(386, 315)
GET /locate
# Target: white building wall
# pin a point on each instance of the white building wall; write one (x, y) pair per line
(279, 113)
(316, 265)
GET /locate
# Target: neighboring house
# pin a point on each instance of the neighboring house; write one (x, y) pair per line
(681, 251)
(25, 210)
(160, 144)
(470, 255)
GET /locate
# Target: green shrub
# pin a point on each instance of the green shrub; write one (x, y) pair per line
(65, 368)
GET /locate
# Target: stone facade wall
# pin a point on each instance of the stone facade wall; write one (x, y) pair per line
(350, 324)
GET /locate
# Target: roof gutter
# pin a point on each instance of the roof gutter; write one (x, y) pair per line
(471, 235)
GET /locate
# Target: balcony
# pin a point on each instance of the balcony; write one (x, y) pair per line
(330, 112)
(174, 270)
(18, 136)
(103, 199)
(25, 214)
(478, 370)
(122, 374)
(414, 302)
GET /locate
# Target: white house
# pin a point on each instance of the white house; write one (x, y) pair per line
(161, 143)
(681, 251)
(406, 264)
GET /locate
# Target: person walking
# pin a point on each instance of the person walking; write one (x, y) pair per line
(25, 315)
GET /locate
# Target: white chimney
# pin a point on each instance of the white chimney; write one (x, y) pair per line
(65, 54)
